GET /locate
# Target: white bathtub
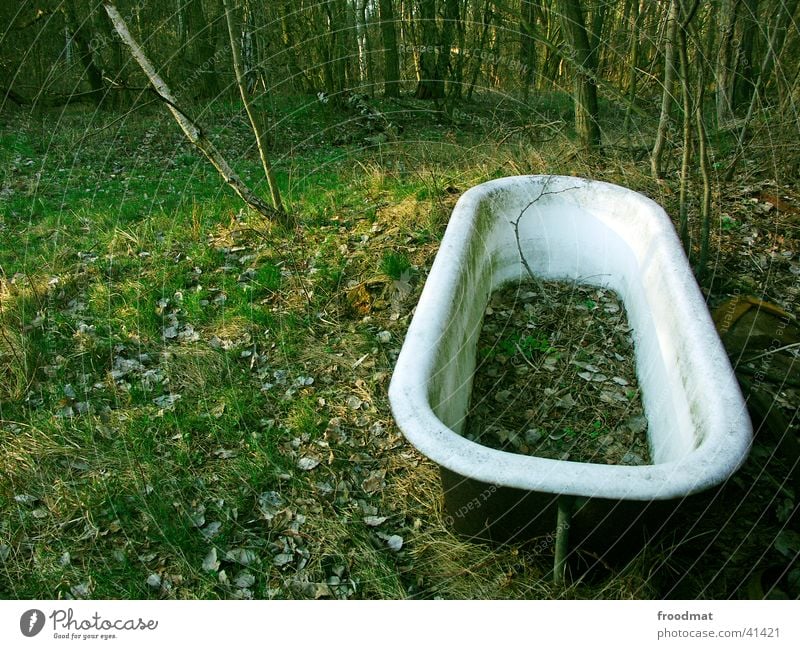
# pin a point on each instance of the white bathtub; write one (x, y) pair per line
(698, 428)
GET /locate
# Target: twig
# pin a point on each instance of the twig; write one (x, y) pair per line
(515, 225)
(772, 351)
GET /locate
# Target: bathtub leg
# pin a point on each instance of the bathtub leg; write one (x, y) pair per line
(565, 505)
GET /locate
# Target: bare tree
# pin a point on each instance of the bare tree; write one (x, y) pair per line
(233, 35)
(190, 128)
(667, 96)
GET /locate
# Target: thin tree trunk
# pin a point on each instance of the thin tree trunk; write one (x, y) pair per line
(586, 111)
(449, 27)
(431, 84)
(202, 49)
(85, 51)
(256, 126)
(488, 16)
(667, 97)
(391, 62)
(527, 47)
(595, 35)
(634, 58)
(705, 174)
(190, 129)
(754, 97)
(726, 62)
(774, 52)
(745, 81)
(687, 140)
(365, 49)
(297, 77)
(456, 77)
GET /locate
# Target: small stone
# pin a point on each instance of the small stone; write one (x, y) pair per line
(244, 579)
(533, 435)
(154, 581)
(374, 521)
(282, 559)
(210, 563)
(632, 459)
(307, 463)
(637, 424)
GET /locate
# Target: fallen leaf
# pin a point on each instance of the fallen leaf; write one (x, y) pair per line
(166, 401)
(210, 563)
(282, 559)
(374, 521)
(211, 530)
(244, 580)
(307, 463)
(241, 556)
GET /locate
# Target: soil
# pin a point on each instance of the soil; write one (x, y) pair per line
(556, 377)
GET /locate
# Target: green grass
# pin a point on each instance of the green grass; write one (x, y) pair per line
(395, 264)
(131, 236)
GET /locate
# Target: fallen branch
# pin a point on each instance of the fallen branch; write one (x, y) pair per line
(188, 126)
(772, 351)
(515, 225)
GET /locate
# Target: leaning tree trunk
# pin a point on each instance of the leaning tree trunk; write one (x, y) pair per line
(257, 131)
(192, 131)
(667, 96)
(586, 111)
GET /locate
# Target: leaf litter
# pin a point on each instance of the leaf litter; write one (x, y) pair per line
(555, 376)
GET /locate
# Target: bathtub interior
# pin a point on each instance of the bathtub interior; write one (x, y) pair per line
(589, 236)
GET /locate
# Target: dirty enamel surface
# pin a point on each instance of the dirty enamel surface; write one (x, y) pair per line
(600, 234)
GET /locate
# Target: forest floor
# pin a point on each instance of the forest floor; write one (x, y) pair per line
(193, 405)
